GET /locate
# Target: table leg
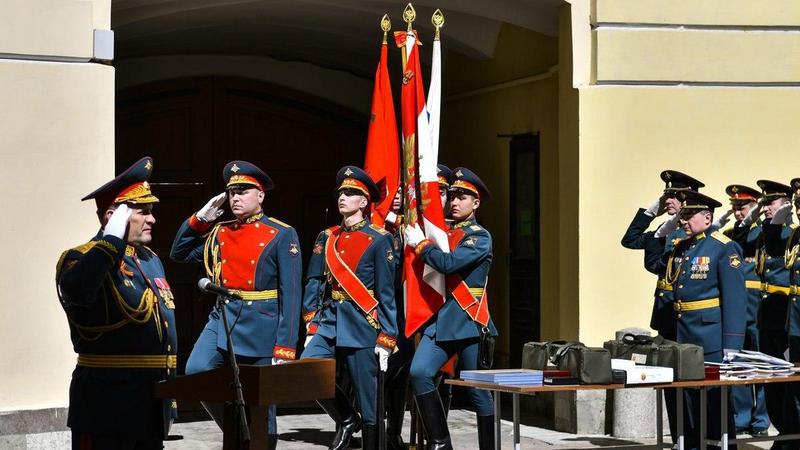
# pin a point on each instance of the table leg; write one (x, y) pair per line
(498, 439)
(659, 419)
(515, 399)
(679, 426)
(703, 418)
(723, 416)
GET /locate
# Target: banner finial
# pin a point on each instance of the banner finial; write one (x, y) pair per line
(386, 25)
(438, 22)
(409, 15)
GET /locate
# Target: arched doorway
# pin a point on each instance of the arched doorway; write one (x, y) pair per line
(193, 126)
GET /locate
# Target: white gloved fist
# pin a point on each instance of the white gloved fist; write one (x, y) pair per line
(668, 226)
(308, 340)
(722, 220)
(383, 357)
(211, 211)
(118, 222)
(413, 235)
(652, 210)
(782, 215)
(751, 216)
(278, 361)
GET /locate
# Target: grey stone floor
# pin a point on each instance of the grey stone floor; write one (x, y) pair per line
(315, 431)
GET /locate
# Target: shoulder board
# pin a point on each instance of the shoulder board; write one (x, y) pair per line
(284, 224)
(84, 248)
(330, 230)
(720, 237)
(380, 230)
(754, 225)
(475, 228)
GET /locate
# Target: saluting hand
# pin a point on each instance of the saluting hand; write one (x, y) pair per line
(413, 235)
(722, 220)
(211, 211)
(752, 215)
(118, 222)
(383, 357)
(782, 215)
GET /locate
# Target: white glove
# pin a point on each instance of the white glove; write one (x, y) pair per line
(308, 340)
(383, 357)
(118, 222)
(782, 215)
(652, 210)
(751, 216)
(414, 235)
(211, 211)
(668, 226)
(278, 361)
(722, 220)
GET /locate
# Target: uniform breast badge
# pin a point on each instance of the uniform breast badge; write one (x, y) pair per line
(165, 293)
(700, 267)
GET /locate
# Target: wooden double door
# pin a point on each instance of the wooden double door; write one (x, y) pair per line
(193, 127)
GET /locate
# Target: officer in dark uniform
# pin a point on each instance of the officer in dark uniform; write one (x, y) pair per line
(350, 307)
(792, 406)
(457, 325)
(256, 256)
(122, 323)
(749, 405)
(770, 266)
(705, 271)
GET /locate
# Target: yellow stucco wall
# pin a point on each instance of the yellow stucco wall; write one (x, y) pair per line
(627, 136)
(470, 125)
(56, 141)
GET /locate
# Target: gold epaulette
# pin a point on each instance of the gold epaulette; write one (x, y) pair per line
(727, 232)
(279, 222)
(720, 237)
(380, 230)
(475, 227)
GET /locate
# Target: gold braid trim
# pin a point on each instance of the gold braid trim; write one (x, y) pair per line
(672, 273)
(211, 255)
(790, 255)
(760, 256)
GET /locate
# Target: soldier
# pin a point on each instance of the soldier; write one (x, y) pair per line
(349, 305)
(122, 323)
(464, 319)
(259, 258)
(749, 405)
(793, 266)
(705, 271)
(770, 266)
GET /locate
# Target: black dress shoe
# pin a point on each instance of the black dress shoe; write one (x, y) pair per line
(759, 433)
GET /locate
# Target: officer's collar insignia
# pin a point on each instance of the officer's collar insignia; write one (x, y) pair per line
(355, 227)
(235, 168)
(459, 174)
(254, 218)
(293, 250)
(348, 172)
(148, 165)
(463, 224)
(735, 261)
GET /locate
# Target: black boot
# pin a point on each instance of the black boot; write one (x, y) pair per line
(272, 441)
(369, 437)
(395, 411)
(347, 421)
(432, 414)
(486, 432)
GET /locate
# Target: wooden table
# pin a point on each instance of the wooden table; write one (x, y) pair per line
(703, 385)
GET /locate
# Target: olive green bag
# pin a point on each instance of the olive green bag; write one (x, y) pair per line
(686, 360)
(589, 365)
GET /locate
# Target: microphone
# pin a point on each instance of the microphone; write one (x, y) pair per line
(206, 285)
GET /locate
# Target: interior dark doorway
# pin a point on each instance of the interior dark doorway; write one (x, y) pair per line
(524, 292)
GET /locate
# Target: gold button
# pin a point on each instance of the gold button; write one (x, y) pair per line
(347, 236)
(341, 251)
(224, 281)
(369, 238)
(249, 303)
(764, 296)
(679, 316)
(169, 347)
(224, 261)
(680, 286)
(660, 294)
(683, 272)
(252, 261)
(272, 231)
(221, 243)
(249, 281)
(767, 270)
(222, 230)
(257, 225)
(260, 244)
(166, 324)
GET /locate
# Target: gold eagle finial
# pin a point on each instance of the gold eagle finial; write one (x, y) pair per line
(438, 22)
(409, 15)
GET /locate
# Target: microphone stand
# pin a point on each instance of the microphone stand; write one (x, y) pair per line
(239, 413)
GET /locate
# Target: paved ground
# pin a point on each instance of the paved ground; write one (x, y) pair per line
(315, 431)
